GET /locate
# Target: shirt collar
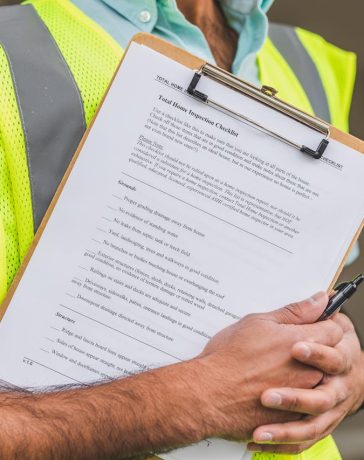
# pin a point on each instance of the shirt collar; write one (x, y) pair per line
(133, 9)
(247, 6)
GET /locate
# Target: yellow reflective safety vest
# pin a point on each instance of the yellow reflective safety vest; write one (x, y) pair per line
(55, 66)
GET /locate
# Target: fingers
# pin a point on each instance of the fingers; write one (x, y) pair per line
(329, 360)
(313, 402)
(304, 312)
(344, 322)
(306, 430)
(328, 333)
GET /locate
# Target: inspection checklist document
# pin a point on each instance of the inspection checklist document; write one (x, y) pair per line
(173, 213)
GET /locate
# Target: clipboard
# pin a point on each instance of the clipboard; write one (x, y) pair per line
(266, 95)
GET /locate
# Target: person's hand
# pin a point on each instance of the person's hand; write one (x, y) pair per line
(247, 358)
(340, 393)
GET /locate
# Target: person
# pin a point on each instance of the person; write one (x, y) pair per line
(57, 58)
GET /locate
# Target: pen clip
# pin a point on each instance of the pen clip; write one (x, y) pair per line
(340, 287)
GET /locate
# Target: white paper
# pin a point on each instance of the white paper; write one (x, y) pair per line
(173, 213)
(216, 449)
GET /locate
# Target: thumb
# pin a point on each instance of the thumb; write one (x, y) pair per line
(305, 312)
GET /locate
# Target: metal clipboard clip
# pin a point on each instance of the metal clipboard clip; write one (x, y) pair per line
(265, 95)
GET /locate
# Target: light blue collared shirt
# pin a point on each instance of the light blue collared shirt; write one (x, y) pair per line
(124, 18)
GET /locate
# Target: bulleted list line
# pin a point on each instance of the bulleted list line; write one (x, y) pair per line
(83, 268)
(77, 279)
(209, 214)
(49, 340)
(120, 332)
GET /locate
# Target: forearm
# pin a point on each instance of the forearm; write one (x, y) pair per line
(145, 413)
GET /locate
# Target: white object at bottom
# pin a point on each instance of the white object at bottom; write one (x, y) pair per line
(215, 449)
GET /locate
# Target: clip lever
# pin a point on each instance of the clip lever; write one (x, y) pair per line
(319, 152)
(266, 95)
(192, 91)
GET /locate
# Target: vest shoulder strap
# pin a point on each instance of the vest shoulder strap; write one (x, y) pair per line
(309, 72)
(337, 70)
(57, 82)
(286, 40)
(90, 52)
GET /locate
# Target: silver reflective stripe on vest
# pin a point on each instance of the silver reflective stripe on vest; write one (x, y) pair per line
(289, 45)
(48, 98)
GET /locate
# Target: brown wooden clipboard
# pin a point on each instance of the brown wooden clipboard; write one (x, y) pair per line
(194, 63)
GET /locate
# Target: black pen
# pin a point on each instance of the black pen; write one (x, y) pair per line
(343, 292)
